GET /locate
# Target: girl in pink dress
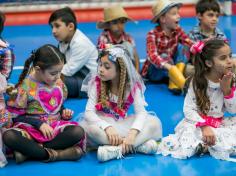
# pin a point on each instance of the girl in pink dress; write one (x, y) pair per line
(41, 129)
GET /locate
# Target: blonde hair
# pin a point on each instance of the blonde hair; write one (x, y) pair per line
(105, 86)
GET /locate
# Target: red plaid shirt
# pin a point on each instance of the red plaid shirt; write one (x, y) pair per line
(158, 43)
(106, 38)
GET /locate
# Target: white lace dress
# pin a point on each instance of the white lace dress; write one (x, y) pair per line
(187, 136)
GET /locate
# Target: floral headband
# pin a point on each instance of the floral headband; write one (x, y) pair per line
(115, 51)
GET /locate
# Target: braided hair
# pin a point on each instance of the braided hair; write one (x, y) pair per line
(105, 85)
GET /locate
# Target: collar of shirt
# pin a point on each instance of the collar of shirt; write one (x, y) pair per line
(113, 40)
(217, 32)
(66, 46)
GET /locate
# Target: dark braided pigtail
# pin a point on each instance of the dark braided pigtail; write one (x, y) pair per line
(26, 69)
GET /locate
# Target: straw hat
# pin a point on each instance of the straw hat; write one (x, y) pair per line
(112, 13)
(161, 7)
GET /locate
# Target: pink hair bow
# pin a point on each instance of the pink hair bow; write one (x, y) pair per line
(197, 47)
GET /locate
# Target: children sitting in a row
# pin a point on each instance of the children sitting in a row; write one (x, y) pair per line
(41, 129)
(165, 58)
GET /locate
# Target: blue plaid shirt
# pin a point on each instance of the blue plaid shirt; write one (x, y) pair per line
(195, 34)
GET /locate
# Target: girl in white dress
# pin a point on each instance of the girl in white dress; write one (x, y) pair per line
(111, 92)
(211, 93)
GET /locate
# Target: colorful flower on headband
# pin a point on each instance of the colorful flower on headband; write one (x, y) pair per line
(197, 47)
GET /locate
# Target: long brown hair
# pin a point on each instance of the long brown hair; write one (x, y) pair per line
(199, 81)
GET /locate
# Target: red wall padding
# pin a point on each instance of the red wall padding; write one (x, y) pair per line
(86, 15)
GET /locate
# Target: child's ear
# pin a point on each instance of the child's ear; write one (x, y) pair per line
(71, 26)
(209, 63)
(162, 19)
(37, 69)
(199, 16)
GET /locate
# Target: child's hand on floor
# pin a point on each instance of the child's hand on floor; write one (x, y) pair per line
(46, 130)
(67, 114)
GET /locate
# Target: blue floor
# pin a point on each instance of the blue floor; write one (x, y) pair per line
(167, 106)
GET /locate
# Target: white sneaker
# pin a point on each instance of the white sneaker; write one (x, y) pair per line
(149, 147)
(106, 153)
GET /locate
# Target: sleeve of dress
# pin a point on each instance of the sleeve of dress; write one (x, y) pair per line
(90, 110)
(190, 107)
(230, 101)
(17, 104)
(140, 112)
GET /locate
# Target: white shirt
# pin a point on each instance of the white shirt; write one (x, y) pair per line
(79, 52)
(139, 108)
(218, 103)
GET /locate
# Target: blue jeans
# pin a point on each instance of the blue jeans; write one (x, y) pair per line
(158, 74)
(74, 83)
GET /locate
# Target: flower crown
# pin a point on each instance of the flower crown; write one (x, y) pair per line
(115, 51)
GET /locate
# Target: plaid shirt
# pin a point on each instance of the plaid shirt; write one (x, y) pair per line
(106, 38)
(7, 59)
(162, 48)
(195, 34)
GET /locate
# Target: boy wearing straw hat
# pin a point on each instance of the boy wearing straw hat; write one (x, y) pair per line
(113, 27)
(162, 43)
(81, 54)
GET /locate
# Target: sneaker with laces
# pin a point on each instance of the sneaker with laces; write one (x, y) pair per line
(149, 147)
(106, 153)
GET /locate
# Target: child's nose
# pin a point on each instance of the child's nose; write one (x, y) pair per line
(53, 30)
(100, 70)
